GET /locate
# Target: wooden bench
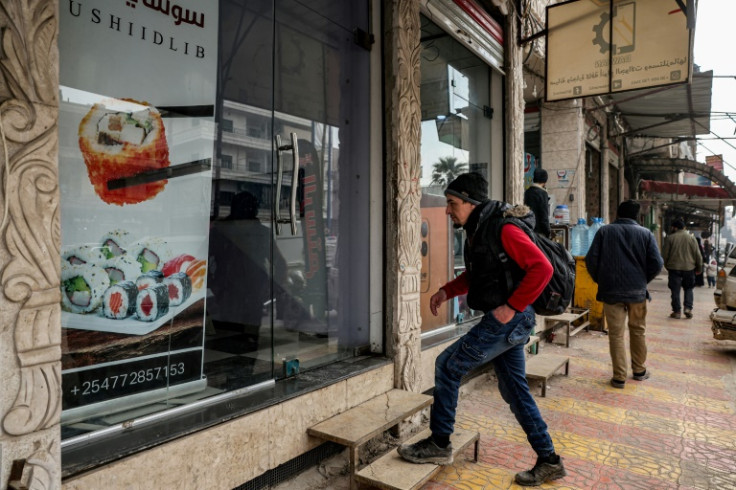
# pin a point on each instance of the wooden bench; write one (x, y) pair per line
(532, 345)
(359, 424)
(543, 366)
(392, 472)
(574, 320)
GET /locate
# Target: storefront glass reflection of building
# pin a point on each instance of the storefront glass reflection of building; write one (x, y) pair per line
(456, 135)
(239, 170)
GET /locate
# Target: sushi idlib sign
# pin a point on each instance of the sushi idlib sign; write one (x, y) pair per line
(136, 132)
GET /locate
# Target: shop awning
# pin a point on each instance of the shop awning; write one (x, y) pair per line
(683, 191)
(668, 112)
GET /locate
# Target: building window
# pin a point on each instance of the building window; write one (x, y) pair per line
(226, 125)
(226, 161)
(254, 166)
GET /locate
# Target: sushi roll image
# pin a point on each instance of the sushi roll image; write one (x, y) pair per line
(114, 243)
(122, 268)
(152, 303)
(180, 288)
(82, 287)
(120, 139)
(180, 263)
(150, 278)
(150, 253)
(119, 300)
(83, 254)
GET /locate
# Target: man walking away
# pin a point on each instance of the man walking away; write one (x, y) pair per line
(683, 261)
(503, 330)
(537, 199)
(623, 259)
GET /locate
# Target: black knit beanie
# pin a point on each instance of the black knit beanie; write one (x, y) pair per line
(540, 176)
(471, 187)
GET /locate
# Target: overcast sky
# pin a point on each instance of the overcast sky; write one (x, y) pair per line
(713, 50)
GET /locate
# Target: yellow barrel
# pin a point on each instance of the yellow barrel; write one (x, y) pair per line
(585, 291)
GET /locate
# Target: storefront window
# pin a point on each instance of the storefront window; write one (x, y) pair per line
(213, 162)
(456, 135)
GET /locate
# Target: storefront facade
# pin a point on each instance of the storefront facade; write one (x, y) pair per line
(223, 222)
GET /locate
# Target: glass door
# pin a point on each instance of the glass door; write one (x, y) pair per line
(292, 147)
(318, 74)
(242, 256)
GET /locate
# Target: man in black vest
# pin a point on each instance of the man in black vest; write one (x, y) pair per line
(537, 198)
(503, 331)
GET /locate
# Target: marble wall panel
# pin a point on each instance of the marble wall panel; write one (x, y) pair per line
(369, 385)
(290, 420)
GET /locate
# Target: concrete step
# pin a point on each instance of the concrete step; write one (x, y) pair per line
(543, 366)
(361, 423)
(392, 472)
(369, 419)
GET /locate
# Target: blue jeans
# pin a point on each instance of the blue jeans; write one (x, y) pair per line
(681, 279)
(502, 344)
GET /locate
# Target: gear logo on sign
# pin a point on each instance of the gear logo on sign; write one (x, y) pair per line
(624, 24)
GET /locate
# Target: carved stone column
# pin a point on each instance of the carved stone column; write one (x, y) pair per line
(514, 110)
(403, 192)
(30, 326)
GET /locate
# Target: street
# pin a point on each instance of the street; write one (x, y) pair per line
(674, 430)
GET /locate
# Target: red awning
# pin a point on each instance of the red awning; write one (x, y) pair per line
(654, 186)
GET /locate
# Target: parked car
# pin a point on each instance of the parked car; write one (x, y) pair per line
(723, 318)
(726, 262)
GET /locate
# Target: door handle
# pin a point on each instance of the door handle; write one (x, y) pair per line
(294, 182)
(294, 147)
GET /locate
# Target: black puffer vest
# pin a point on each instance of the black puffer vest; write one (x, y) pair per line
(487, 284)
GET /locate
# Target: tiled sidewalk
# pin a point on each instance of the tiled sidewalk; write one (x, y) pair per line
(674, 430)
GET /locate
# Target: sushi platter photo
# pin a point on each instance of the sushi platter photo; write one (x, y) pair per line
(127, 287)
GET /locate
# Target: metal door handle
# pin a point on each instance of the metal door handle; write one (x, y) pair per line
(294, 182)
(294, 147)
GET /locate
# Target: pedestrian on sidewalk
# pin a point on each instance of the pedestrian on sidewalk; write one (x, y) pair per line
(711, 271)
(537, 198)
(622, 260)
(503, 330)
(683, 262)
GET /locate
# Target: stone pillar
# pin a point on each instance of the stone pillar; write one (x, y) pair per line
(514, 112)
(563, 148)
(30, 319)
(403, 192)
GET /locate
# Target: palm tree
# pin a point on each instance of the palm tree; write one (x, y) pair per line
(446, 170)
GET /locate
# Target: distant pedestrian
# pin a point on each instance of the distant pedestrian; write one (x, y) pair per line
(700, 278)
(683, 261)
(711, 271)
(623, 259)
(537, 198)
(707, 248)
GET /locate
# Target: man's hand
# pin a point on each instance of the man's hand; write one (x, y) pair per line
(436, 300)
(504, 314)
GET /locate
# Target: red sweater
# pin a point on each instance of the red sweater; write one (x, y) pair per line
(520, 249)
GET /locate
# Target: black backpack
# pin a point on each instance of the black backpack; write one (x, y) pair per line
(558, 293)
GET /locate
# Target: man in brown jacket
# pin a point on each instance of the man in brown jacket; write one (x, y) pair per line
(683, 261)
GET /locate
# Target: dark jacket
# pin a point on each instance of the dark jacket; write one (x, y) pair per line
(537, 199)
(623, 259)
(487, 285)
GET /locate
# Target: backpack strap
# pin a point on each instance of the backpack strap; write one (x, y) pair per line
(497, 248)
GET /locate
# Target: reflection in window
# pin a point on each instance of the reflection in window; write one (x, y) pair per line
(455, 90)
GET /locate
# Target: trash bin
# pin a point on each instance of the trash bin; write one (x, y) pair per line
(585, 291)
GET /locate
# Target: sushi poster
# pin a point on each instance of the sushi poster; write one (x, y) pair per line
(136, 135)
